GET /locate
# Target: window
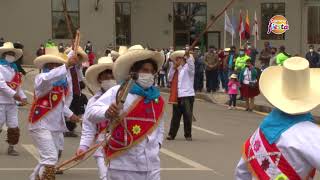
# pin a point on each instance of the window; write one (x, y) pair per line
(123, 23)
(189, 21)
(314, 25)
(59, 23)
(268, 10)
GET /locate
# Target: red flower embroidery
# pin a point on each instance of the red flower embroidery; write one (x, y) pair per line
(257, 145)
(265, 164)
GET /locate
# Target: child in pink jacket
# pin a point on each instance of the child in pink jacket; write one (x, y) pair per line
(233, 87)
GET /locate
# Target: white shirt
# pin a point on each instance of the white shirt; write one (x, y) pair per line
(143, 156)
(6, 93)
(54, 120)
(185, 78)
(299, 145)
(89, 129)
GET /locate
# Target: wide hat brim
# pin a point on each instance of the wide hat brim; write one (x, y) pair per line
(271, 87)
(18, 52)
(93, 72)
(44, 59)
(84, 56)
(124, 63)
(179, 53)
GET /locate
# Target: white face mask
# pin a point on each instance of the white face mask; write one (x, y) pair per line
(311, 50)
(10, 58)
(145, 80)
(107, 84)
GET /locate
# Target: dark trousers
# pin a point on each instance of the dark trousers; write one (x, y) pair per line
(212, 80)
(223, 76)
(75, 108)
(183, 108)
(161, 80)
(198, 81)
(232, 100)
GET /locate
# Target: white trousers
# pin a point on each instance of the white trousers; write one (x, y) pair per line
(114, 174)
(8, 115)
(48, 144)
(102, 168)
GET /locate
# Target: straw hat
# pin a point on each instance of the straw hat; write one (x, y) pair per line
(52, 55)
(233, 76)
(134, 54)
(8, 46)
(93, 71)
(122, 50)
(227, 49)
(293, 87)
(176, 54)
(84, 56)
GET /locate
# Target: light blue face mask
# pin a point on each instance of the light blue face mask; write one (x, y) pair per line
(241, 53)
(62, 82)
(45, 70)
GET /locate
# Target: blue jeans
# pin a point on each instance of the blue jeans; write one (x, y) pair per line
(223, 77)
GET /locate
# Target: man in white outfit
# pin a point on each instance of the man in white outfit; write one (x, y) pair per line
(10, 91)
(132, 152)
(98, 76)
(46, 118)
(286, 144)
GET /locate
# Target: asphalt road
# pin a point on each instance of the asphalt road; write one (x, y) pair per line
(218, 136)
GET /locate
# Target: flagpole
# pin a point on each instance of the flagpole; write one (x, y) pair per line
(232, 26)
(255, 29)
(225, 32)
(239, 29)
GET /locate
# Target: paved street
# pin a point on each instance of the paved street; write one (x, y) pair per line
(218, 136)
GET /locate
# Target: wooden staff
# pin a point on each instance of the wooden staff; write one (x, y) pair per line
(173, 98)
(120, 100)
(212, 21)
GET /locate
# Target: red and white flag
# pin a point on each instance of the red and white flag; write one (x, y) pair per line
(255, 29)
(241, 29)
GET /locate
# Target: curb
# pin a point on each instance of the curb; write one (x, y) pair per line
(201, 96)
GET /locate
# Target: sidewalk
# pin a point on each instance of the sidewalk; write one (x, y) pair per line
(261, 104)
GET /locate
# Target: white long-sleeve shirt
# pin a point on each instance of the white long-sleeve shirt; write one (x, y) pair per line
(54, 120)
(142, 157)
(300, 147)
(6, 93)
(185, 78)
(89, 129)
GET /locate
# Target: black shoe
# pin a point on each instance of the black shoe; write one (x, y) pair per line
(70, 134)
(189, 138)
(170, 138)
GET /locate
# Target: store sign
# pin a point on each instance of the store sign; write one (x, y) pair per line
(278, 25)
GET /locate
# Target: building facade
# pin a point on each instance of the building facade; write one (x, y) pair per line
(154, 23)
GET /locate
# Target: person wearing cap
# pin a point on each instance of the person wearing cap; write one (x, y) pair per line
(282, 56)
(76, 83)
(19, 62)
(10, 92)
(251, 52)
(183, 70)
(98, 76)
(286, 144)
(199, 71)
(265, 55)
(241, 60)
(47, 114)
(133, 149)
(211, 60)
(233, 88)
(312, 57)
(223, 68)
